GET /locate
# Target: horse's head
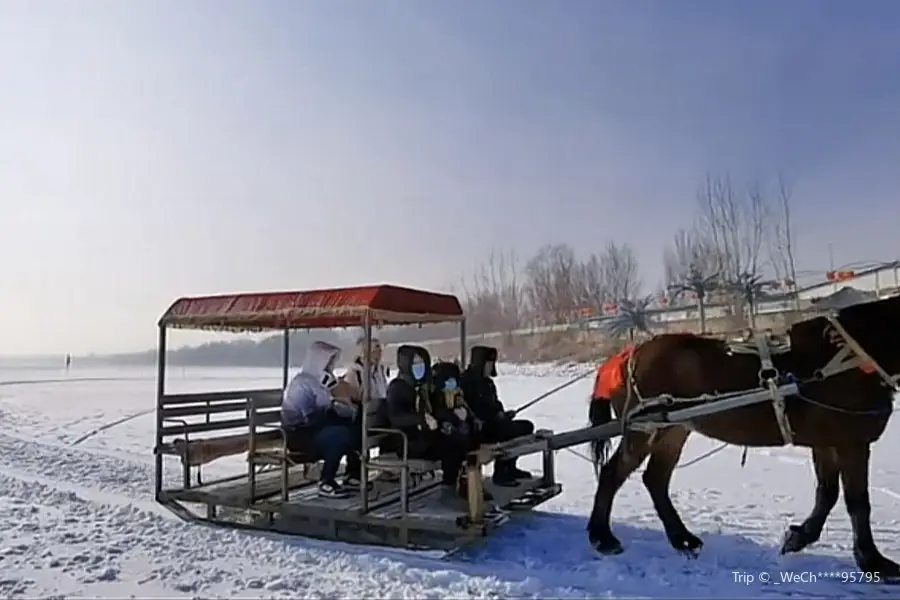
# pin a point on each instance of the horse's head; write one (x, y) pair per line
(875, 326)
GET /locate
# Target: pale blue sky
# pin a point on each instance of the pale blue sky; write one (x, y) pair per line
(151, 148)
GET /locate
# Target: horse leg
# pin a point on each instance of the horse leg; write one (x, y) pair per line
(664, 455)
(828, 487)
(630, 453)
(853, 461)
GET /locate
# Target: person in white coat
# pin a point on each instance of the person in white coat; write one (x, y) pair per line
(378, 378)
(313, 419)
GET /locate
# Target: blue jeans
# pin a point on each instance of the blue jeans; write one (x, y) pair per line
(332, 442)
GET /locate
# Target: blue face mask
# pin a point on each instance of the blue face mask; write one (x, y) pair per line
(418, 370)
(450, 385)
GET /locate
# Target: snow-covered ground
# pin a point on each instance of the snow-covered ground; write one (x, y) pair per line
(77, 516)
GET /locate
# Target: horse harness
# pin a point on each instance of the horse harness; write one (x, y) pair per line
(851, 355)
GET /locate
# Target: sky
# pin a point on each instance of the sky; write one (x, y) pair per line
(153, 149)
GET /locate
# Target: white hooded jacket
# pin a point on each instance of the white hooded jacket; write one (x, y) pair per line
(306, 396)
(378, 380)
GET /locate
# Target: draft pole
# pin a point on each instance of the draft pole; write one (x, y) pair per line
(285, 357)
(462, 343)
(160, 394)
(364, 417)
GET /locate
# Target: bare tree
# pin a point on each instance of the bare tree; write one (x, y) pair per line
(493, 294)
(781, 237)
(733, 224)
(591, 290)
(551, 283)
(620, 272)
(690, 254)
(693, 265)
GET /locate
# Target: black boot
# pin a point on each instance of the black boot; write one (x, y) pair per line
(504, 474)
(518, 473)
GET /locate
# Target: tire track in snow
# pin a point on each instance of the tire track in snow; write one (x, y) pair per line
(112, 424)
(108, 474)
(92, 547)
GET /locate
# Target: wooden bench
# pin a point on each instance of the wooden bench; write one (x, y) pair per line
(188, 419)
(258, 413)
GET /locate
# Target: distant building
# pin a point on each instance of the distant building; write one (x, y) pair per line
(882, 280)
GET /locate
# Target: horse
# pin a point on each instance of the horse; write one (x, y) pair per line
(837, 413)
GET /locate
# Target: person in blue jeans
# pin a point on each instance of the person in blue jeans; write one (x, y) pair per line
(315, 422)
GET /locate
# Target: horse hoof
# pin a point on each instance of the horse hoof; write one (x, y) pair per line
(878, 569)
(687, 543)
(795, 539)
(608, 547)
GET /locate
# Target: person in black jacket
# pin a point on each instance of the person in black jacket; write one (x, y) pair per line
(497, 423)
(430, 433)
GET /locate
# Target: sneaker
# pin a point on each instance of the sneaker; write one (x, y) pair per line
(354, 484)
(332, 489)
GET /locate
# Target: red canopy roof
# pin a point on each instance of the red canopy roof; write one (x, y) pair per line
(312, 309)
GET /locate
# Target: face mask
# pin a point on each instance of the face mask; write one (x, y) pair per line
(450, 385)
(328, 380)
(488, 368)
(418, 370)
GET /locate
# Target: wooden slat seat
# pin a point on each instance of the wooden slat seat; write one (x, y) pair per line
(201, 451)
(280, 453)
(393, 462)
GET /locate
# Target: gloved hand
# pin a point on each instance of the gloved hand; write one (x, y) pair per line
(503, 415)
(446, 428)
(509, 415)
(430, 422)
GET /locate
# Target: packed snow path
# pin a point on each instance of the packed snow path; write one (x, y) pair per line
(79, 520)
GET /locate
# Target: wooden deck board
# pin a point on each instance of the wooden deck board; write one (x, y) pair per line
(307, 497)
(236, 492)
(431, 505)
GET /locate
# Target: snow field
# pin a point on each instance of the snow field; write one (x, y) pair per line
(77, 519)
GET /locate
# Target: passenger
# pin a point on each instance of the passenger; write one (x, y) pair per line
(409, 410)
(448, 399)
(378, 375)
(316, 422)
(498, 424)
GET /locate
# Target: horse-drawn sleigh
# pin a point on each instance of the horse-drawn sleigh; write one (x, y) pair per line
(830, 388)
(277, 489)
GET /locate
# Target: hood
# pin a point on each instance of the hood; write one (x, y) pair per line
(481, 355)
(405, 356)
(442, 371)
(317, 358)
(361, 349)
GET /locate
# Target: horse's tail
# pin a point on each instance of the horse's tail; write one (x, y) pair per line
(600, 413)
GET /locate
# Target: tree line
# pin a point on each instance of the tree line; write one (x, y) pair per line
(740, 245)
(739, 248)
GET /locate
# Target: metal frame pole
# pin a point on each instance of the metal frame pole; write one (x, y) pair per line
(160, 393)
(285, 357)
(462, 343)
(364, 417)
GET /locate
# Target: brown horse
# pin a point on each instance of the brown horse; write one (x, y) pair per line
(838, 417)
